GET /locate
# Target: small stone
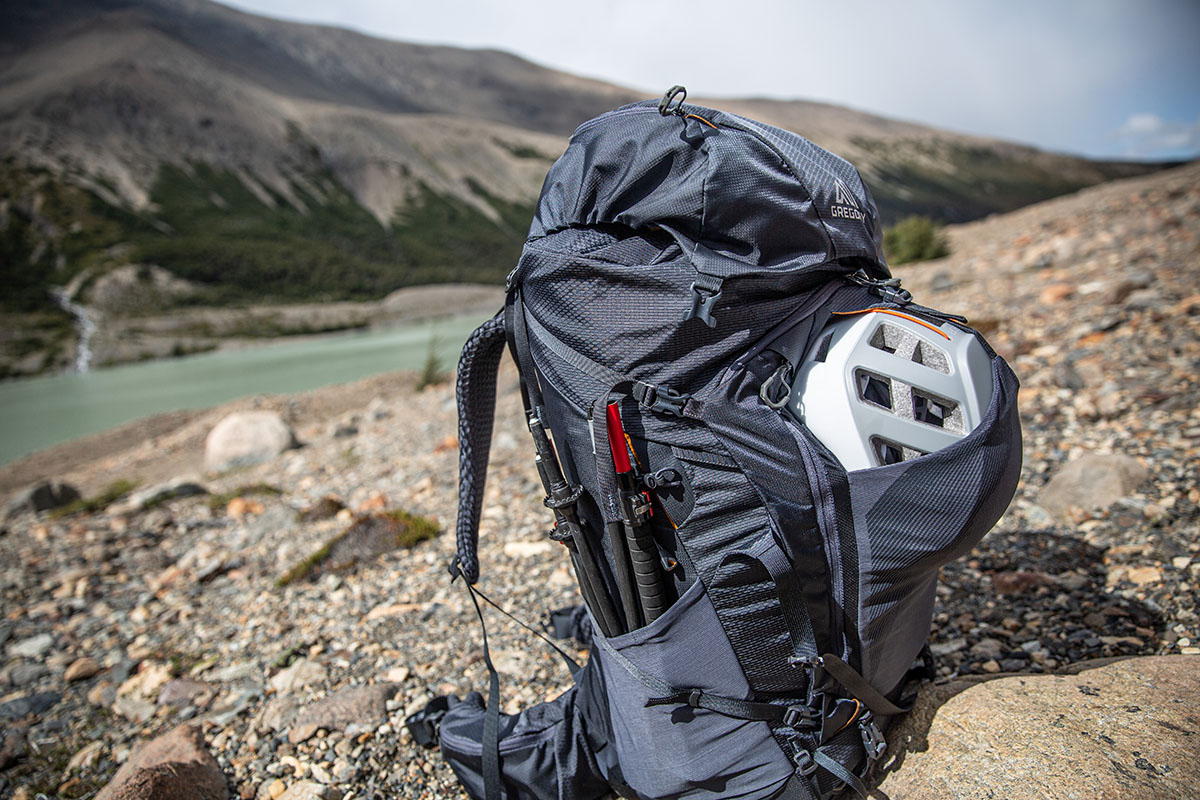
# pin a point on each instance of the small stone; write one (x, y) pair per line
(307, 790)
(987, 649)
(1181, 562)
(81, 669)
(941, 649)
(26, 673)
(86, 757)
(1143, 576)
(304, 672)
(991, 665)
(302, 733)
(397, 674)
(29, 704)
(34, 647)
(276, 788)
(320, 774)
(1090, 482)
(528, 549)
(239, 507)
(42, 496)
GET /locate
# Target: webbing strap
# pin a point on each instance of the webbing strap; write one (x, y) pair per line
(698, 698)
(475, 392)
(839, 771)
(859, 688)
(791, 600)
(491, 717)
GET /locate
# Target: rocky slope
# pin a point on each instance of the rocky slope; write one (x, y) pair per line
(255, 159)
(124, 622)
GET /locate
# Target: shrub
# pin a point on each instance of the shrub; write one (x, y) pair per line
(914, 239)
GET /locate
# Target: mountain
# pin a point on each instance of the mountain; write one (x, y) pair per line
(264, 160)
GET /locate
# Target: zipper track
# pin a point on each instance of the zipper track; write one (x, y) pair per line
(827, 522)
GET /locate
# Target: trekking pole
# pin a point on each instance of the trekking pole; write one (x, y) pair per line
(561, 499)
(635, 508)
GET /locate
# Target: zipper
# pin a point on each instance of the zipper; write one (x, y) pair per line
(827, 523)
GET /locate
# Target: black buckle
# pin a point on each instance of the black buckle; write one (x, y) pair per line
(660, 398)
(805, 765)
(703, 301)
(873, 740)
(808, 662)
(424, 724)
(801, 718)
(694, 698)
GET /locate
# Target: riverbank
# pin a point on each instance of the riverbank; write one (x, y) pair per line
(38, 344)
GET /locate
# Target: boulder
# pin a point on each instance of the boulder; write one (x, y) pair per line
(175, 766)
(245, 438)
(42, 496)
(1126, 730)
(364, 704)
(1091, 482)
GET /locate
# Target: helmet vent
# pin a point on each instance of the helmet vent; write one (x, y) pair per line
(937, 412)
(875, 389)
(889, 452)
(898, 341)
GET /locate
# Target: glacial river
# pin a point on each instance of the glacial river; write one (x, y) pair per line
(39, 412)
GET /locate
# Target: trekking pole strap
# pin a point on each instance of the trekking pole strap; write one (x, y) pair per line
(475, 392)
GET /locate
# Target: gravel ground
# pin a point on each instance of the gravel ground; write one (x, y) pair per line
(118, 625)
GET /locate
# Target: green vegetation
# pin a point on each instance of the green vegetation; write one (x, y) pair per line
(209, 228)
(433, 371)
(218, 502)
(89, 505)
(914, 239)
(367, 537)
(956, 183)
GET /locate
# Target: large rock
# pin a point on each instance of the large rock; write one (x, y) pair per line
(175, 766)
(245, 438)
(361, 704)
(41, 496)
(1124, 731)
(1090, 482)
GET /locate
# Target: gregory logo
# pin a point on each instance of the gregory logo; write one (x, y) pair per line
(844, 203)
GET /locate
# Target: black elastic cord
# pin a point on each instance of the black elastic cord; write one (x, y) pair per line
(571, 663)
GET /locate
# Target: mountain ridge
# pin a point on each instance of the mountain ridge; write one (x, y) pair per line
(270, 160)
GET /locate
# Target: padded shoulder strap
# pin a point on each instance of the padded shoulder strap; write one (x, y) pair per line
(476, 394)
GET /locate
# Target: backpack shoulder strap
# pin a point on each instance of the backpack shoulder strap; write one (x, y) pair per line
(476, 395)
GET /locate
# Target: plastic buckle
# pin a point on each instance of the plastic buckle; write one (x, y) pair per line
(702, 305)
(890, 291)
(873, 740)
(694, 698)
(660, 398)
(805, 765)
(801, 718)
(777, 397)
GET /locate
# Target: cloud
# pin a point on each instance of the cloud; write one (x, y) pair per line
(1147, 134)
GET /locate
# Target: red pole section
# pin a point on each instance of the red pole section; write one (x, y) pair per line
(616, 440)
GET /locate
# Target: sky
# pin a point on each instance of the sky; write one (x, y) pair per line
(1101, 78)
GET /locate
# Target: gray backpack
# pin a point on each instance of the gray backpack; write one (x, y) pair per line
(754, 607)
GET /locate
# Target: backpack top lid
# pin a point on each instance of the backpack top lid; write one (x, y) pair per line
(735, 194)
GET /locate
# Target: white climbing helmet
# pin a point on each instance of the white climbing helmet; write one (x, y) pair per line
(881, 386)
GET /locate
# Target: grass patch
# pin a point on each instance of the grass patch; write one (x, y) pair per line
(433, 372)
(89, 505)
(366, 538)
(914, 239)
(218, 502)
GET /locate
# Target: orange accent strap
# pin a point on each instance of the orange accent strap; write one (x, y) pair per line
(702, 119)
(895, 313)
(853, 717)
